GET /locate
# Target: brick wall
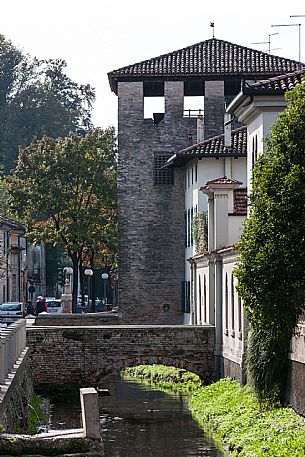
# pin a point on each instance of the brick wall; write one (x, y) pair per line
(151, 217)
(62, 357)
(214, 107)
(78, 319)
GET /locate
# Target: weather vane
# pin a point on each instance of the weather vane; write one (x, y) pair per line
(212, 24)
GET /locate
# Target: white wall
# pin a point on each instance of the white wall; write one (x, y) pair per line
(233, 324)
(207, 170)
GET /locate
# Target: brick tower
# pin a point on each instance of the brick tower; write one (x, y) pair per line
(151, 198)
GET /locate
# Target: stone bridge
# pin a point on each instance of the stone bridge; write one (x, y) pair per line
(62, 356)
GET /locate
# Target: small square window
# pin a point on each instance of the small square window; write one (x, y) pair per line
(162, 175)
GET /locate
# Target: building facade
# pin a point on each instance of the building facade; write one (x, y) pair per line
(151, 198)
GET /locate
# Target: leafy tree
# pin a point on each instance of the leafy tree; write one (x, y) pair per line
(37, 98)
(65, 190)
(271, 273)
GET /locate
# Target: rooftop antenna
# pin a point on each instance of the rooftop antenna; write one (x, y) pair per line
(212, 24)
(268, 42)
(292, 25)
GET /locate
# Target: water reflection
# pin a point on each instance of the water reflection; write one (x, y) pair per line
(141, 422)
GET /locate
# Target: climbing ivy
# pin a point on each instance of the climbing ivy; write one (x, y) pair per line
(200, 231)
(271, 272)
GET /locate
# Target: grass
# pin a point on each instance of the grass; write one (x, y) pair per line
(231, 414)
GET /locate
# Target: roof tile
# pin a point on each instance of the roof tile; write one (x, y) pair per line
(214, 147)
(280, 83)
(211, 57)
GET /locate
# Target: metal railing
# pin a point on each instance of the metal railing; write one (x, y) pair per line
(12, 344)
(193, 113)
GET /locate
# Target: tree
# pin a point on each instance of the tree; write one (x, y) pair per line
(271, 272)
(65, 191)
(37, 98)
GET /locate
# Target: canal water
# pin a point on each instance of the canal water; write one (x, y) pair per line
(139, 421)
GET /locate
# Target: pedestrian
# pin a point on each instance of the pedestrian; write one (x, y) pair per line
(41, 305)
(30, 309)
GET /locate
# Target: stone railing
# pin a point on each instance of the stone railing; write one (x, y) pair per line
(12, 344)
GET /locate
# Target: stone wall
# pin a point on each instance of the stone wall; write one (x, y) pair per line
(151, 216)
(214, 108)
(65, 357)
(78, 319)
(15, 398)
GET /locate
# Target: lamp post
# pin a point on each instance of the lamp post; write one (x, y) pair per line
(89, 273)
(104, 278)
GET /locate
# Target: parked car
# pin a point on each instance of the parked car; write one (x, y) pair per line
(54, 306)
(12, 309)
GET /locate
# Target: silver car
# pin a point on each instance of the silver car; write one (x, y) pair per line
(12, 309)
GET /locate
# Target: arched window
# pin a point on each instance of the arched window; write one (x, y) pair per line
(226, 304)
(232, 303)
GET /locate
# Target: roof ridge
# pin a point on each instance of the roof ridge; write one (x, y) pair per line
(199, 43)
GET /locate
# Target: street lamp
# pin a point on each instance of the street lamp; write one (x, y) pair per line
(105, 276)
(89, 273)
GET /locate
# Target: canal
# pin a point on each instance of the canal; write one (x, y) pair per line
(140, 421)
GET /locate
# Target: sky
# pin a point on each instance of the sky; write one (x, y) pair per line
(98, 36)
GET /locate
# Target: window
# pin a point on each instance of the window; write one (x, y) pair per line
(205, 300)
(200, 301)
(254, 150)
(154, 108)
(188, 227)
(185, 229)
(191, 222)
(192, 175)
(226, 304)
(232, 304)
(185, 296)
(196, 172)
(162, 175)
(239, 315)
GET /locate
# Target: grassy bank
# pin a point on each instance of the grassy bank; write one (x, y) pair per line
(231, 414)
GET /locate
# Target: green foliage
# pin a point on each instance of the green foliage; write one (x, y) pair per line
(271, 272)
(65, 191)
(233, 417)
(164, 376)
(36, 415)
(200, 231)
(37, 98)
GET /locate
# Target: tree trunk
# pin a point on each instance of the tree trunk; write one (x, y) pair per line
(81, 282)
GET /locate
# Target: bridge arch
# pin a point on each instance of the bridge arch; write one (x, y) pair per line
(174, 362)
(81, 355)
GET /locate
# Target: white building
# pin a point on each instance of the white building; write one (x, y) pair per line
(12, 261)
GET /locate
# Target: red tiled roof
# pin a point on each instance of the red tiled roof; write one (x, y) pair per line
(208, 58)
(213, 147)
(240, 201)
(223, 180)
(280, 83)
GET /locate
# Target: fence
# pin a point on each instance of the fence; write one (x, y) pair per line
(12, 344)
